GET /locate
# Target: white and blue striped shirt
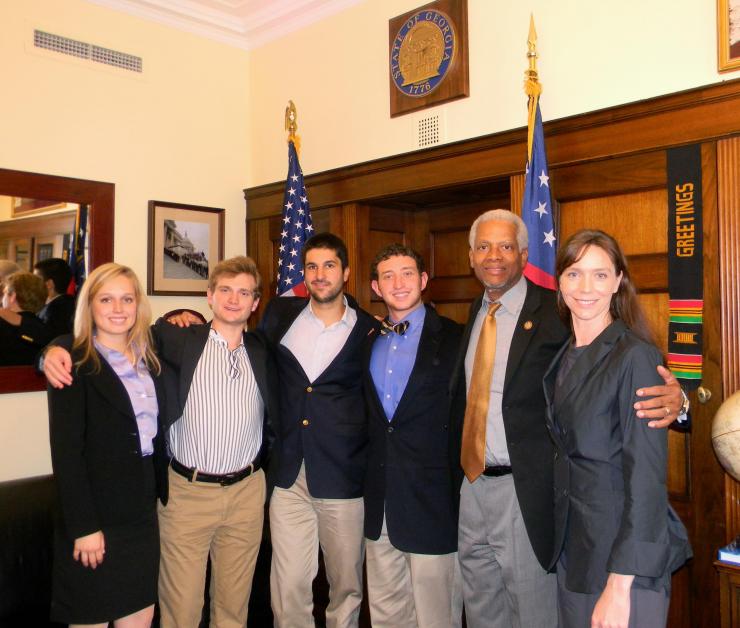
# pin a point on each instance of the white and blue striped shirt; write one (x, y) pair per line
(221, 426)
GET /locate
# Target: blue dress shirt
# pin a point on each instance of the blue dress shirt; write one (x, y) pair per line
(140, 388)
(392, 361)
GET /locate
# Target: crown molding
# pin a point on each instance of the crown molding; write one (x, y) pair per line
(244, 24)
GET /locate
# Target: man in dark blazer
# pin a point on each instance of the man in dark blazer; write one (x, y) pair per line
(219, 404)
(505, 536)
(410, 492)
(59, 312)
(319, 460)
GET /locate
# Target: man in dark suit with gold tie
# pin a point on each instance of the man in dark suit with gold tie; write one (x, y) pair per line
(506, 499)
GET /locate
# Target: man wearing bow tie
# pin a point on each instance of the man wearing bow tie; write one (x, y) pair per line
(410, 496)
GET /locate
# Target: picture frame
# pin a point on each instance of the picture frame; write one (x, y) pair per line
(728, 35)
(184, 242)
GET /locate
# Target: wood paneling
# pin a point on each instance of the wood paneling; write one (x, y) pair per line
(693, 115)
(707, 526)
(608, 170)
(261, 247)
(638, 220)
(730, 594)
(62, 222)
(612, 176)
(728, 190)
(516, 193)
(728, 201)
(456, 311)
(450, 253)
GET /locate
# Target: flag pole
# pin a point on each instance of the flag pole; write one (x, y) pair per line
(297, 225)
(532, 86)
(538, 212)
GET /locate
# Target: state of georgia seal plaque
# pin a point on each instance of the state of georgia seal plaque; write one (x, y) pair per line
(423, 52)
(428, 55)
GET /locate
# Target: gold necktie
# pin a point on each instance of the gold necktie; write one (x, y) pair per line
(473, 452)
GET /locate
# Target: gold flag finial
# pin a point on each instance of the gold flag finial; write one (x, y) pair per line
(532, 49)
(532, 86)
(291, 125)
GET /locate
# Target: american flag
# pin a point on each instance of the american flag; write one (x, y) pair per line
(537, 212)
(77, 251)
(296, 229)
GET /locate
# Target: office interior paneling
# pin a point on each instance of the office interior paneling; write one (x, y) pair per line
(607, 170)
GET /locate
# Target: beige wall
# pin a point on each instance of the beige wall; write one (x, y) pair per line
(592, 55)
(205, 120)
(178, 132)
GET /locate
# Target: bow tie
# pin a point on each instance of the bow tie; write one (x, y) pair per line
(387, 327)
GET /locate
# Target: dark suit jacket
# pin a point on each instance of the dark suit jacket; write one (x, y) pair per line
(58, 315)
(21, 344)
(409, 476)
(530, 448)
(611, 505)
(322, 422)
(181, 348)
(95, 451)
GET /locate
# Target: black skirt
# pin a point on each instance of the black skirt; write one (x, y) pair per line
(125, 582)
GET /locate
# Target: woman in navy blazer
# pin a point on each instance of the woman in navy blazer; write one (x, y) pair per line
(617, 540)
(104, 431)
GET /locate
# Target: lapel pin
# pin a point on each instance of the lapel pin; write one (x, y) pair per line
(528, 325)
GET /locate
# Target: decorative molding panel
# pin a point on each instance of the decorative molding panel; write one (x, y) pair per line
(243, 24)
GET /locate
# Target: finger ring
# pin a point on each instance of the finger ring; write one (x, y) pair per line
(667, 410)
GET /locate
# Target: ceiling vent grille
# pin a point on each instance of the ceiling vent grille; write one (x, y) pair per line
(83, 50)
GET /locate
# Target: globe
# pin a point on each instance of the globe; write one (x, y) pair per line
(726, 435)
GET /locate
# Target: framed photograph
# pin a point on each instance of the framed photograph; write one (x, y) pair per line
(185, 241)
(22, 253)
(728, 35)
(44, 250)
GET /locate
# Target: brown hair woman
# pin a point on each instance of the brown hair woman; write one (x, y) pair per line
(616, 538)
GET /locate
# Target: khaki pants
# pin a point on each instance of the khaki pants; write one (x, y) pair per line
(412, 590)
(298, 524)
(201, 518)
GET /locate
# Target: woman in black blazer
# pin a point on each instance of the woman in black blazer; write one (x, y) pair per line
(104, 433)
(617, 540)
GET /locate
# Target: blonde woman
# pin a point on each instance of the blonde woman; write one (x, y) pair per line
(104, 434)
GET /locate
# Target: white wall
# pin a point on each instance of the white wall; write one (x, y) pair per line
(205, 120)
(177, 132)
(591, 55)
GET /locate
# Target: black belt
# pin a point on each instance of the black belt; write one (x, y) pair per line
(193, 475)
(497, 471)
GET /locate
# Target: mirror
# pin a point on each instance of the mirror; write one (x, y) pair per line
(100, 199)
